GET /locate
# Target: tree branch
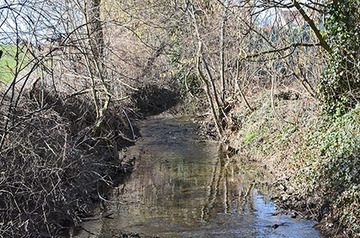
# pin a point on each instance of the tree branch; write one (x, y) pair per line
(312, 26)
(293, 45)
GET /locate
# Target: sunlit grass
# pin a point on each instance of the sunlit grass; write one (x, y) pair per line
(8, 62)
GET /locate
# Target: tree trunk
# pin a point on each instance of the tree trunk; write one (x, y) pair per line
(97, 45)
(222, 58)
(95, 27)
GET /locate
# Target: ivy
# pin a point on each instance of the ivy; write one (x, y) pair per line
(339, 88)
(332, 152)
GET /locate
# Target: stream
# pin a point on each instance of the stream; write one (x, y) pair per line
(182, 187)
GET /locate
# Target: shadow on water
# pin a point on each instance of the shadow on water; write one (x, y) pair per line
(181, 187)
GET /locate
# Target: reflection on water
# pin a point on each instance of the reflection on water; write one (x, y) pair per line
(182, 188)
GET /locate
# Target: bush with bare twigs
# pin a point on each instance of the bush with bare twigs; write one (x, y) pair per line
(53, 168)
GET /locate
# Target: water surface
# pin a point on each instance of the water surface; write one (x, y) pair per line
(181, 187)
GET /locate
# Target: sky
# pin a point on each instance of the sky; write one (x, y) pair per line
(23, 18)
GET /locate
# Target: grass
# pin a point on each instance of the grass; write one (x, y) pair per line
(8, 62)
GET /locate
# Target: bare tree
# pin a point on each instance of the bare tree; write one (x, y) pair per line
(56, 95)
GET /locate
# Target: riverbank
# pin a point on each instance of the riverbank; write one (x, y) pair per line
(283, 140)
(54, 169)
(315, 159)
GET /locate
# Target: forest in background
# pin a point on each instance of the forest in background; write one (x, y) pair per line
(277, 81)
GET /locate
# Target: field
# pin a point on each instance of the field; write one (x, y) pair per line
(8, 62)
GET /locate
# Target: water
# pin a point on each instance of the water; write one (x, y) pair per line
(181, 187)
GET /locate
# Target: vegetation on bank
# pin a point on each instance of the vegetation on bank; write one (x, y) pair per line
(93, 63)
(315, 158)
(331, 171)
(55, 171)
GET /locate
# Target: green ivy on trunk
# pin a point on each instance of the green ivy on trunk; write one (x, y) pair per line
(339, 88)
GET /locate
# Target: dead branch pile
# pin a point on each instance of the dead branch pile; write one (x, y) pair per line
(51, 164)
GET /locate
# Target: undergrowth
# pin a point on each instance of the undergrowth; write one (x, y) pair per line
(331, 152)
(317, 157)
(54, 171)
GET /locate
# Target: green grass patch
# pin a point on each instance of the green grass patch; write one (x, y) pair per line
(8, 62)
(249, 136)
